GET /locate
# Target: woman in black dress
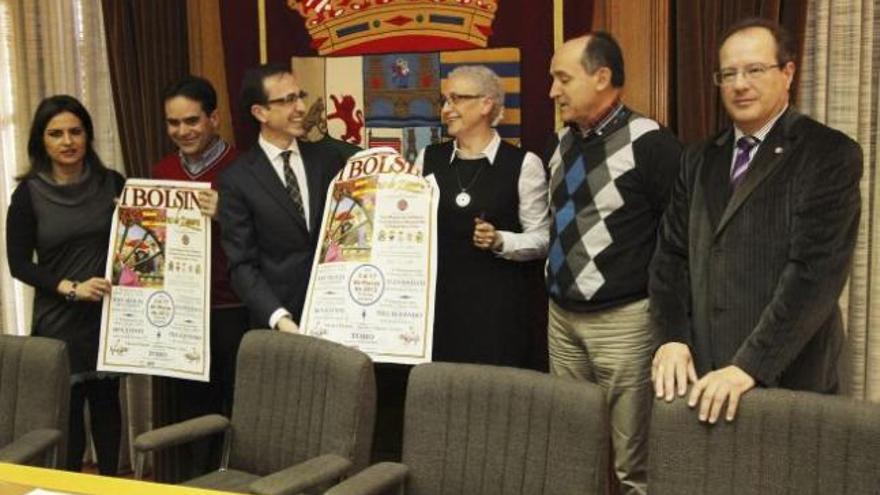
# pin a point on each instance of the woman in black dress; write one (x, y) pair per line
(493, 216)
(62, 210)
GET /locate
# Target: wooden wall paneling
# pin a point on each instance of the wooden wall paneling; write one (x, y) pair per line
(642, 27)
(206, 58)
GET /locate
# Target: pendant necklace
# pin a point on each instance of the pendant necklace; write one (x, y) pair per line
(463, 198)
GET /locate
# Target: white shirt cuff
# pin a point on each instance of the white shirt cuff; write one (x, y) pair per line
(500, 251)
(276, 316)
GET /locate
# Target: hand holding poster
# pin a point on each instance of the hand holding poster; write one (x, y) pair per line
(372, 281)
(156, 319)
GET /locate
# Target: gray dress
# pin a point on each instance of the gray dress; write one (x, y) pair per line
(68, 226)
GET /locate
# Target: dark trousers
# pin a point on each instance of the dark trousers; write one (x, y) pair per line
(179, 400)
(105, 420)
(228, 326)
(391, 381)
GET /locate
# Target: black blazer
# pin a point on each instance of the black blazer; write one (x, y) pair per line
(269, 248)
(752, 278)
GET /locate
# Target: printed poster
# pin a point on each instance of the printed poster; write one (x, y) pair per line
(372, 281)
(156, 320)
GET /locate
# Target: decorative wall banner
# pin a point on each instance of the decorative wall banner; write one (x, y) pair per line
(401, 90)
(344, 104)
(407, 141)
(372, 281)
(525, 24)
(157, 317)
(364, 100)
(310, 75)
(382, 26)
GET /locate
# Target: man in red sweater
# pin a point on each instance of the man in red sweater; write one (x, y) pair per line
(192, 121)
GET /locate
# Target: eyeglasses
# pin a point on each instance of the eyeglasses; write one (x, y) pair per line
(455, 98)
(289, 99)
(750, 72)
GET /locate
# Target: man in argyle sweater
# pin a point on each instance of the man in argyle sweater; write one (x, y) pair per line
(611, 172)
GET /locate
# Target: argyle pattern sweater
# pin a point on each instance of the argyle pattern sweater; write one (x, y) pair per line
(608, 191)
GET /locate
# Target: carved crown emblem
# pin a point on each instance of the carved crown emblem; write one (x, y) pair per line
(353, 27)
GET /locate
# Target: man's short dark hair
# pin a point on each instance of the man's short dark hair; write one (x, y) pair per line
(602, 50)
(253, 91)
(194, 88)
(785, 51)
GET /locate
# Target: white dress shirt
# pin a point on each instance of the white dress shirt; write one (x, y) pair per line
(761, 135)
(534, 215)
(273, 153)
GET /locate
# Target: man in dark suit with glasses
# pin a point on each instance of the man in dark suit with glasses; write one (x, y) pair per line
(756, 245)
(272, 199)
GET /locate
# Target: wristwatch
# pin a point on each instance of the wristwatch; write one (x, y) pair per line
(71, 296)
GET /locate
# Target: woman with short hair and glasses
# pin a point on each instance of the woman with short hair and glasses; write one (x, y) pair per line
(62, 210)
(493, 217)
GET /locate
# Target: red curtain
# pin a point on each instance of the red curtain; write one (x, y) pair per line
(147, 49)
(698, 26)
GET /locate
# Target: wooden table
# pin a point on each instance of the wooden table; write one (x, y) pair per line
(20, 480)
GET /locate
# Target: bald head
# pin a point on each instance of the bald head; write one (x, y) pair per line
(587, 77)
(578, 44)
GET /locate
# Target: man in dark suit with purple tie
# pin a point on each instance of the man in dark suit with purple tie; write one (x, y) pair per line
(756, 245)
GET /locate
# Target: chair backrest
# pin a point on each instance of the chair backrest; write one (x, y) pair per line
(486, 429)
(34, 388)
(297, 397)
(780, 442)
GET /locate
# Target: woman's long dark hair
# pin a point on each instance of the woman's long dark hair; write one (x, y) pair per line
(46, 110)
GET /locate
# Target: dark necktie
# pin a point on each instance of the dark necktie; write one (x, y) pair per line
(291, 184)
(744, 146)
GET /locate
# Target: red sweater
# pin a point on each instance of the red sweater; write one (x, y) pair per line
(171, 168)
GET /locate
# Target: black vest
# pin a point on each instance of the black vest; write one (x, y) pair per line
(494, 193)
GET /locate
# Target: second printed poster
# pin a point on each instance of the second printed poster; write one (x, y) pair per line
(372, 282)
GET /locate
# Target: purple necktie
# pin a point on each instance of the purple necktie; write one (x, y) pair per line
(744, 146)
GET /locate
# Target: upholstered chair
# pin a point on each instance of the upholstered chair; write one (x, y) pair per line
(34, 400)
(474, 429)
(302, 417)
(780, 442)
